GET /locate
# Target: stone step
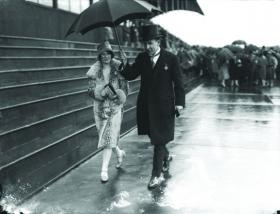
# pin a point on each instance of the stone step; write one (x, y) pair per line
(26, 176)
(8, 40)
(17, 117)
(24, 115)
(28, 76)
(50, 51)
(18, 94)
(39, 168)
(31, 41)
(12, 63)
(20, 142)
(31, 116)
(44, 51)
(12, 96)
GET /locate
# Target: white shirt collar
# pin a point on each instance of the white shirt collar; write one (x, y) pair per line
(156, 56)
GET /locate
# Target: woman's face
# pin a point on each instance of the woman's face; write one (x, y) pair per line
(105, 57)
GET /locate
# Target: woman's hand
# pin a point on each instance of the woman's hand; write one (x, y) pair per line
(105, 92)
(108, 92)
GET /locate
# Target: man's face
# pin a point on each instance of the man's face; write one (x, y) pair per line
(152, 46)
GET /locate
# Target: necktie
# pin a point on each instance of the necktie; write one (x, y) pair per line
(153, 63)
(152, 59)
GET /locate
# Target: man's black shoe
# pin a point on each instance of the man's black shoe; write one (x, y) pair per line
(166, 163)
(155, 182)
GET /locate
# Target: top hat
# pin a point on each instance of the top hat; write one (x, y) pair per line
(105, 47)
(151, 32)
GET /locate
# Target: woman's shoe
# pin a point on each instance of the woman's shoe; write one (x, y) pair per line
(104, 176)
(120, 159)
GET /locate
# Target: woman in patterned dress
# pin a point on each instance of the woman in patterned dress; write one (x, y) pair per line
(108, 90)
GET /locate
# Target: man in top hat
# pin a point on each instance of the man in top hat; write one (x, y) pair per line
(161, 96)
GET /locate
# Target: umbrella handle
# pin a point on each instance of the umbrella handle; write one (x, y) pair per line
(118, 40)
(117, 36)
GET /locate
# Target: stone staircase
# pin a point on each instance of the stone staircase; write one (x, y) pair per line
(46, 120)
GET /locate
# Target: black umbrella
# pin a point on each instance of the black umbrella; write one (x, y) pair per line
(111, 13)
(225, 54)
(251, 48)
(235, 49)
(239, 42)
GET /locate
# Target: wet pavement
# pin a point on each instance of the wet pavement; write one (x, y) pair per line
(226, 159)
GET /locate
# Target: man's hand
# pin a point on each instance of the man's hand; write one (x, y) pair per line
(123, 57)
(177, 110)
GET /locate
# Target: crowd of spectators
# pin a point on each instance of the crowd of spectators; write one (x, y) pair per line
(234, 65)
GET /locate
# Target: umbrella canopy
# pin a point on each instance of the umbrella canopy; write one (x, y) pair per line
(251, 48)
(235, 49)
(239, 42)
(225, 54)
(111, 13)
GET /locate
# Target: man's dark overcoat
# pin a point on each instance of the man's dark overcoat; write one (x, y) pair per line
(161, 89)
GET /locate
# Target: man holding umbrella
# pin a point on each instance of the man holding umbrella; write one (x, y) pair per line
(160, 98)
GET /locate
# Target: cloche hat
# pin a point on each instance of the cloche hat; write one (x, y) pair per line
(105, 47)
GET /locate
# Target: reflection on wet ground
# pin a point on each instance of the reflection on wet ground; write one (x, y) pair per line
(226, 159)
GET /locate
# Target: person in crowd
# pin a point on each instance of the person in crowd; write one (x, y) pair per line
(276, 54)
(201, 63)
(235, 69)
(134, 35)
(126, 33)
(108, 34)
(261, 65)
(214, 66)
(245, 69)
(161, 96)
(271, 68)
(223, 71)
(183, 61)
(109, 90)
(181, 54)
(252, 76)
(208, 73)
